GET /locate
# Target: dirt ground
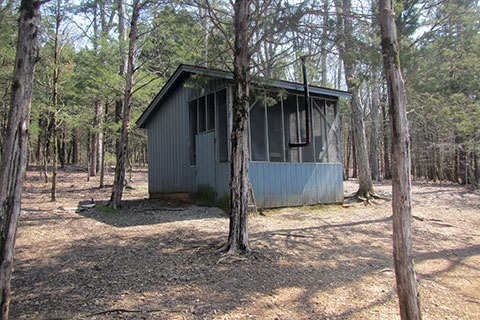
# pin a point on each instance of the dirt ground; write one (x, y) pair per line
(155, 259)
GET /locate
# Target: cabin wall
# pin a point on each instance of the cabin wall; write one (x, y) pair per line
(169, 169)
(296, 184)
(289, 184)
(284, 176)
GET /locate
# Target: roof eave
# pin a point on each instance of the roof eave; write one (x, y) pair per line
(182, 69)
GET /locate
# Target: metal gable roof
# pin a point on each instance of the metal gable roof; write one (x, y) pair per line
(183, 70)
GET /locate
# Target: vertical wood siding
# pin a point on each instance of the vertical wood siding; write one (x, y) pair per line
(275, 184)
(289, 184)
(296, 184)
(222, 176)
(169, 167)
(205, 143)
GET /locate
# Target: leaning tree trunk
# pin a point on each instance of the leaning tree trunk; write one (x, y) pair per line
(408, 296)
(14, 157)
(119, 179)
(239, 181)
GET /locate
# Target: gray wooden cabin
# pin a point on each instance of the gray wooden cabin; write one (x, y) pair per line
(189, 124)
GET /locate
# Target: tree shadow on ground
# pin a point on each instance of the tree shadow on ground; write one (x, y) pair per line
(177, 274)
(147, 212)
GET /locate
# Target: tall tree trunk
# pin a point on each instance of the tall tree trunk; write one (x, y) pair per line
(408, 296)
(239, 181)
(354, 155)
(122, 39)
(375, 122)
(53, 193)
(74, 148)
(99, 131)
(365, 188)
(344, 18)
(119, 179)
(56, 70)
(38, 149)
(103, 151)
(476, 169)
(14, 158)
(348, 154)
(323, 44)
(45, 163)
(204, 22)
(387, 174)
(94, 139)
(61, 148)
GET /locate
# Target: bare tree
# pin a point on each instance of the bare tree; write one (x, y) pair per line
(119, 179)
(408, 296)
(250, 34)
(346, 51)
(239, 181)
(55, 78)
(375, 108)
(14, 157)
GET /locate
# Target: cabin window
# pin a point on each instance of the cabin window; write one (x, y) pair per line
(333, 153)
(276, 123)
(290, 112)
(307, 151)
(192, 113)
(275, 132)
(202, 119)
(202, 115)
(258, 131)
(319, 131)
(221, 98)
(211, 111)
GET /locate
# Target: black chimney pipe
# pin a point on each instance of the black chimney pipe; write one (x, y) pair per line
(307, 109)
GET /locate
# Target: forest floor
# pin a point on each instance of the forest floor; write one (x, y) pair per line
(155, 259)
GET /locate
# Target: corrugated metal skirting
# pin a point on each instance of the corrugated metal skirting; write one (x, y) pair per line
(290, 184)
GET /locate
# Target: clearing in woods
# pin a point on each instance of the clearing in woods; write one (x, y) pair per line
(155, 259)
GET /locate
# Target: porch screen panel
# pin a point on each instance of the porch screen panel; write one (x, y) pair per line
(211, 111)
(275, 132)
(319, 134)
(258, 132)
(222, 131)
(202, 114)
(333, 154)
(307, 152)
(290, 128)
(192, 117)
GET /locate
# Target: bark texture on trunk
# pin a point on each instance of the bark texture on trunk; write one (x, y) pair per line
(408, 296)
(239, 181)
(14, 158)
(122, 40)
(375, 125)
(122, 152)
(387, 174)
